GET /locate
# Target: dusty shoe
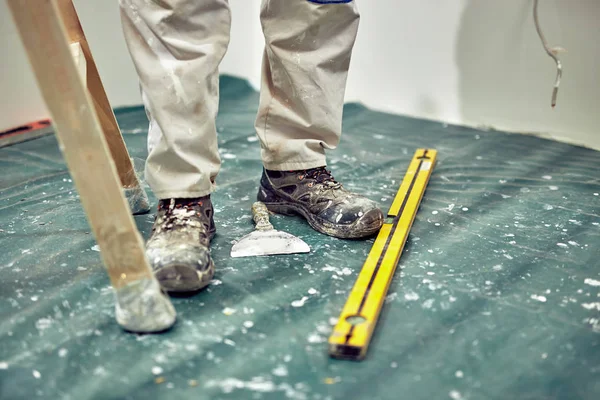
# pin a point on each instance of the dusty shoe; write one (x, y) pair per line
(323, 202)
(178, 249)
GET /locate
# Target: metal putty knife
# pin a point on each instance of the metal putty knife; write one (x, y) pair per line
(265, 240)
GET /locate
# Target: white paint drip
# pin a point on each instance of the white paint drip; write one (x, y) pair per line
(591, 306)
(170, 66)
(156, 370)
(191, 347)
(43, 323)
(591, 282)
(455, 395)
(428, 303)
(594, 323)
(538, 298)
(411, 296)
(343, 271)
(228, 385)
(3, 365)
(299, 303)
(391, 297)
(160, 358)
(280, 370)
(315, 338)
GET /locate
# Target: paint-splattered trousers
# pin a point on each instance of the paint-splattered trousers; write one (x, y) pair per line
(176, 47)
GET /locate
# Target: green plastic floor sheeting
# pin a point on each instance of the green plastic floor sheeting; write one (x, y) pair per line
(497, 296)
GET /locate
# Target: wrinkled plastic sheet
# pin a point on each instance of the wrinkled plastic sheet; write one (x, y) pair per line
(496, 297)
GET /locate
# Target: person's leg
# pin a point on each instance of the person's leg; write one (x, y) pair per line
(176, 47)
(305, 66)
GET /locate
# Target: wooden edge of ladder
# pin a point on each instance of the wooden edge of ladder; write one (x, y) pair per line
(94, 84)
(80, 61)
(82, 139)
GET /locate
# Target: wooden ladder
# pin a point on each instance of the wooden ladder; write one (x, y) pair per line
(95, 153)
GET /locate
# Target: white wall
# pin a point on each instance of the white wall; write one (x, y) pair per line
(472, 62)
(20, 99)
(480, 62)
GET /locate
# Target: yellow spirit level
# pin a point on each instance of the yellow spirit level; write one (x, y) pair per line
(352, 334)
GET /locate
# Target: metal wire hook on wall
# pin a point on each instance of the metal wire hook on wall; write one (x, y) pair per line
(551, 51)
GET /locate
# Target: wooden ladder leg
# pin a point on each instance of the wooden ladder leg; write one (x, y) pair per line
(140, 305)
(136, 196)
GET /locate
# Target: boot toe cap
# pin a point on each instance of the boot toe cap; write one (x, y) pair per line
(182, 268)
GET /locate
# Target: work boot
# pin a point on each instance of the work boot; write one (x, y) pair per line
(178, 249)
(322, 201)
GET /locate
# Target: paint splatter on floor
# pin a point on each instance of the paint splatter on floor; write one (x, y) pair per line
(464, 317)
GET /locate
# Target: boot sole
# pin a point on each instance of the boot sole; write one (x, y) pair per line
(181, 278)
(356, 230)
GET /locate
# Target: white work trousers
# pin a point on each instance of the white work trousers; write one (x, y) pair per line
(176, 47)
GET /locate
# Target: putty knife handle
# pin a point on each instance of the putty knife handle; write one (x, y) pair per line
(261, 216)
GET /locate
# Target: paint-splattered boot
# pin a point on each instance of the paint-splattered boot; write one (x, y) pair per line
(178, 249)
(322, 201)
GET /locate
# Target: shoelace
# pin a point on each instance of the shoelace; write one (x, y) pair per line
(320, 174)
(323, 176)
(179, 214)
